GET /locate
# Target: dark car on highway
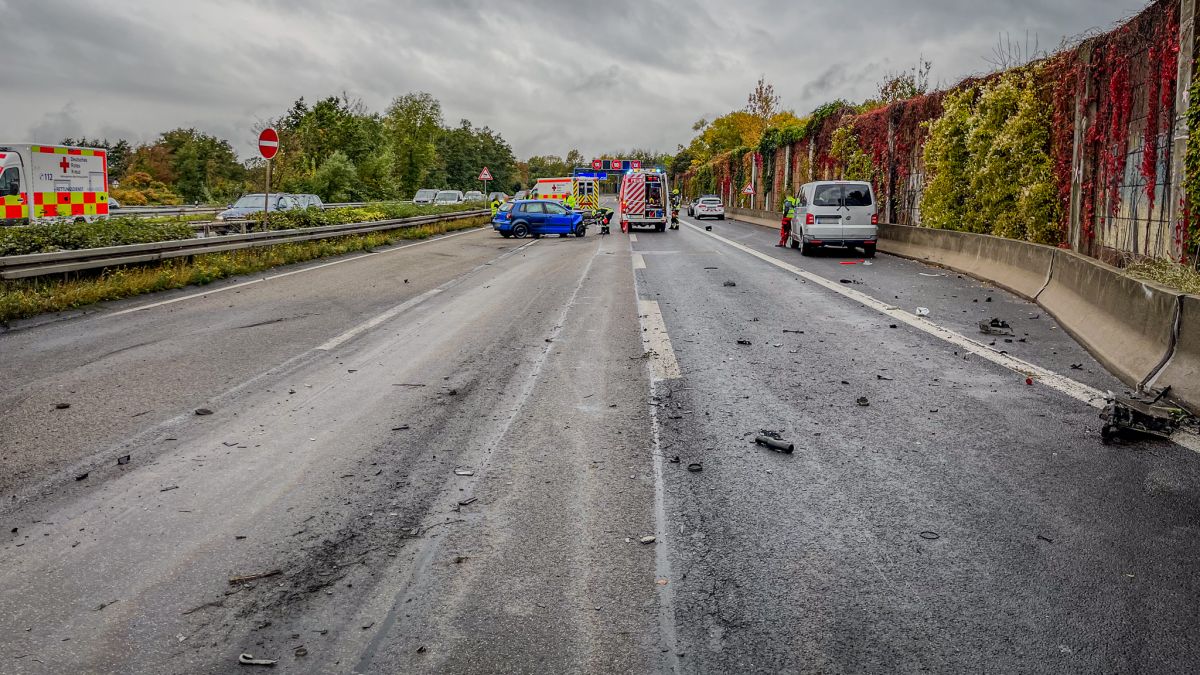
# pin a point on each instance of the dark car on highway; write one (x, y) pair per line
(535, 217)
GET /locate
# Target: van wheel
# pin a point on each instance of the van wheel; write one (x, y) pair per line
(662, 227)
(805, 249)
(869, 250)
(520, 230)
(795, 243)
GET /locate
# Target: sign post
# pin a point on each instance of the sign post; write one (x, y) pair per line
(485, 176)
(268, 147)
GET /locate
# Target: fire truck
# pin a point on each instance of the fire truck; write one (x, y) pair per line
(47, 183)
(645, 200)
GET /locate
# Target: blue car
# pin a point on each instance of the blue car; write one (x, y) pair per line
(535, 217)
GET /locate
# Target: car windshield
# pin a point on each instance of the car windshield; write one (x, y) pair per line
(250, 202)
(506, 206)
(447, 195)
(426, 194)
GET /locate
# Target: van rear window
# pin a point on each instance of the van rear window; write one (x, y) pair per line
(842, 195)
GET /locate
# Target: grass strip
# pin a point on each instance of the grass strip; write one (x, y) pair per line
(24, 298)
(1168, 273)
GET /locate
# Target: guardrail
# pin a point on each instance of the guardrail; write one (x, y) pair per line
(58, 262)
(162, 211)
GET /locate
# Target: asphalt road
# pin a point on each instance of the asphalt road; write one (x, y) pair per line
(446, 457)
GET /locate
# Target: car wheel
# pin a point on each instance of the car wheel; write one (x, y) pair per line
(869, 250)
(520, 230)
(581, 231)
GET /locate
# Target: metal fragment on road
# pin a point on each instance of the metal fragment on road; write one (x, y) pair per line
(467, 502)
(695, 467)
(62, 406)
(122, 460)
(464, 472)
(930, 275)
(249, 660)
(648, 540)
(775, 444)
(995, 327)
(730, 284)
(922, 311)
(203, 411)
(863, 401)
(169, 488)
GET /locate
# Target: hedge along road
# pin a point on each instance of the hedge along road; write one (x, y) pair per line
(993, 532)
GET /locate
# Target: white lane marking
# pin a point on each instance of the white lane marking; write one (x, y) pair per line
(282, 274)
(1076, 390)
(392, 313)
(368, 325)
(657, 343)
(639, 263)
(633, 238)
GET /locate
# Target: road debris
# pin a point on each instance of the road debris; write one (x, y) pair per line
(730, 284)
(102, 605)
(122, 460)
(1142, 414)
(203, 411)
(1046, 539)
(674, 460)
(885, 378)
(922, 311)
(648, 540)
(234, 581)
(797, 332)
(930, 535)
(863, 401)
(1076, 366)
(402, 427)
(745, 342)
(82, 476)
(695, 467)
(169, 488)
(924, 274)
(467, 502)
(62, 406)
(249, 660)
(773, 441)
(995, 327)
(300, 652)
(464, 472)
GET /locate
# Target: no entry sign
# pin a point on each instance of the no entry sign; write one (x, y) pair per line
(268, 143)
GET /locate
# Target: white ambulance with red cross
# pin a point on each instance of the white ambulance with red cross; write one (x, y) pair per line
(48, 183)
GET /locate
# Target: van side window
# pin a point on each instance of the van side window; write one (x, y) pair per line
(858, 196)
(10, 182)
(801, 198)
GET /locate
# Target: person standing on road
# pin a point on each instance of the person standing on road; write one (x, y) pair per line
(570, 201)
(785, 226)
(495, 206)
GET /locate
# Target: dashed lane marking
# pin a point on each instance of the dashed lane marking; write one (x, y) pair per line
(639, 263)
(657, 342)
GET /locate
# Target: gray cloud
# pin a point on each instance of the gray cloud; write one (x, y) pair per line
(548, 75)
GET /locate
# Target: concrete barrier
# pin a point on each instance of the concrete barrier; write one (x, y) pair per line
(1182, 372)
(754, 216)
(1017, 266)
(1128, 325)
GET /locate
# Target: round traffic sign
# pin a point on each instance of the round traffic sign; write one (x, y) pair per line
(268, 143)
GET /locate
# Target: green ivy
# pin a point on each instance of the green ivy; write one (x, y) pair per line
(944, 199)
(844, 147)
(1191, 161)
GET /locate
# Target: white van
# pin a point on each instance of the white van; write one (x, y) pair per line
(835, 213)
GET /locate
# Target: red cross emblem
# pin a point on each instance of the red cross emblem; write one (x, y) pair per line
(64, 164)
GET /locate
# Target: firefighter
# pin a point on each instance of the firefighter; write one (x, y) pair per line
(570, 201)
(496, 205)
(785, 225)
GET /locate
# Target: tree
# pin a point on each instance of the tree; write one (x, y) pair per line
(905, 84)
(762, 102)
(412, 126)
(336, 180)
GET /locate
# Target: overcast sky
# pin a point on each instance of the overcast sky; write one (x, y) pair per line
(597, 75)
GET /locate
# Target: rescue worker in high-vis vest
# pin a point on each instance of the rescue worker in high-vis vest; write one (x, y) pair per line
(496, 206)
(570, 201)
(785, 226)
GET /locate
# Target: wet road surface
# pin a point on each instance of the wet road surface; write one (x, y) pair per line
(446, 458)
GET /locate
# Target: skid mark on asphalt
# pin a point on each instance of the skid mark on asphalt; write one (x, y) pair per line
(657, 342)
(1076, 390)
(271, 277)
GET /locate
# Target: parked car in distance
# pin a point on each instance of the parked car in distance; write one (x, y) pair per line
(425, 197)
(536, 217)
(445, 197)
(691, 209)
(253, 203)
(305, 201)
(708, 207)
(473, 196)
(835, 213)
(113, 204)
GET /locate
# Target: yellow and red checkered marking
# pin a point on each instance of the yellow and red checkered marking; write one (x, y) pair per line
(59, 204)
(14, 206)
(54, 150)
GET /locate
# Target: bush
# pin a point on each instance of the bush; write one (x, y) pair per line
(26, 239)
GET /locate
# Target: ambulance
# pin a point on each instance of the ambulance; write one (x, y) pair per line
(49, 183)
(644, 199)
(585, 190)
